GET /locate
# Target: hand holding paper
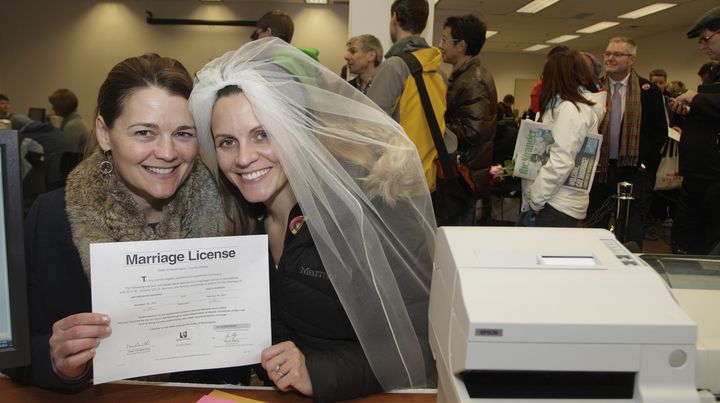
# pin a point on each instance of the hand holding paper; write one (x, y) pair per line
(74, 340)
(181, 305)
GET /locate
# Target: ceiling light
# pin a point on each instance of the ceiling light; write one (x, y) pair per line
(536, 5)
(562, 38)
(641, 12)
(489, 34)
(316, 1)
(533, 48)
(597, 27)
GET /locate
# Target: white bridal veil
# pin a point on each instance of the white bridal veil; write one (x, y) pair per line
(361, 187)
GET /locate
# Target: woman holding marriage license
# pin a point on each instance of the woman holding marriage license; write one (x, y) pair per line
(141, 182)
(340, 191)
(569, 104)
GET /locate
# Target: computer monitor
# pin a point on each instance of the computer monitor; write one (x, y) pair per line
(37, 114)
(14, 331)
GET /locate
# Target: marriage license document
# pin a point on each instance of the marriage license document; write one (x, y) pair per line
(180, 305)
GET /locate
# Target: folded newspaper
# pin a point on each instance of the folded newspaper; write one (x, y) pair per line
(532, 151)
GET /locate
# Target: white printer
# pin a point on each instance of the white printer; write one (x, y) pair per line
(695, 283)
(554, 314)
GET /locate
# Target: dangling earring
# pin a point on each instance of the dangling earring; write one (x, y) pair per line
(106, 166)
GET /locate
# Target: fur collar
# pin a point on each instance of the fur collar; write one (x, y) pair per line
(101, 209)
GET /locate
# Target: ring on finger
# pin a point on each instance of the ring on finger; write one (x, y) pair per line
(278, 372)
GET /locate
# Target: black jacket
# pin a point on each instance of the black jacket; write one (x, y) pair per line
(306, 310)
(653, 125)
(471, 115)
(58, 287)
(700, 140)
(53, 143)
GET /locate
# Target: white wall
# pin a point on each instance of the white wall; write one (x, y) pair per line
(671, 51)
(373, 17)
(506, 68)
(49, 44)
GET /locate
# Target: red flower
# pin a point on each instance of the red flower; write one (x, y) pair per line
(496, 174)
(295, 224)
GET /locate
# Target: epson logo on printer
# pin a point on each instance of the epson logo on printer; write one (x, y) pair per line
(489, 332)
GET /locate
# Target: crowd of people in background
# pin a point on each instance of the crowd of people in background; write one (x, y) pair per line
(267, 117)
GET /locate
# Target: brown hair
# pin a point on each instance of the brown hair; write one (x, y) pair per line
(136, 73)
(659, 73)
(63, 101)
(280, 22)
(412, 15)
(562, 75)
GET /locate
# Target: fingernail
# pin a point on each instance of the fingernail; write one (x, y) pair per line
(108, 330)
(106, 319)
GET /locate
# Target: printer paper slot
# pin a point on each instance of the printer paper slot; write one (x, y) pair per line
(491, 384)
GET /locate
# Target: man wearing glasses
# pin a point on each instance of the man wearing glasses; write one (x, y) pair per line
(471, 102)
(276, 23)
(696, 229)
(634, 130)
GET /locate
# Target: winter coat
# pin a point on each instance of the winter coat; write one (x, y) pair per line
(700, 141)
(96, 208)
(395, 92)
(471, 114)
(570, 123)
(307, 311)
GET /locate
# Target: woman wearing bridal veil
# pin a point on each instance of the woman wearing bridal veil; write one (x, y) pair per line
(302, 156)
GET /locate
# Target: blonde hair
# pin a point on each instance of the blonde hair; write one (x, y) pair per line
(368, 43)
(676, 88)
(631, 45)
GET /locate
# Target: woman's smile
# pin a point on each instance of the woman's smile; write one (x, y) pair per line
(255, 175)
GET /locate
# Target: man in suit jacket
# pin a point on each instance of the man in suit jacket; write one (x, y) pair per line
(634, 130)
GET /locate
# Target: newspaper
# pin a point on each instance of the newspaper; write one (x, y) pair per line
(532, 151)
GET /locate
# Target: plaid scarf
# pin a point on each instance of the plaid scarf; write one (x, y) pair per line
(630, 129)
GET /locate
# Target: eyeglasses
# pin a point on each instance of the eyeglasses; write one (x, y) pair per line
(615, 55)
(444, 39)
(706, 38)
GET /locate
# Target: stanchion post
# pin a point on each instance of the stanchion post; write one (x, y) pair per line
(624, 198)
